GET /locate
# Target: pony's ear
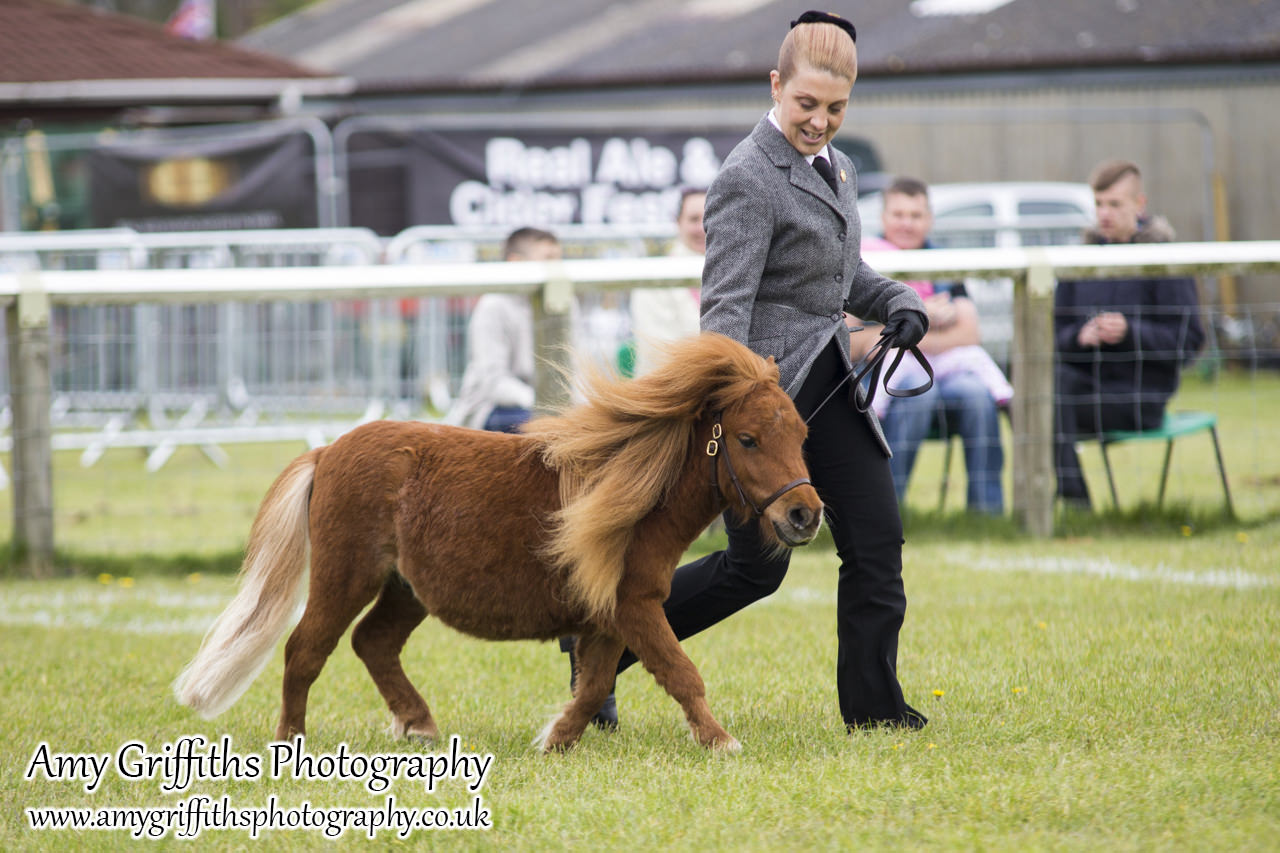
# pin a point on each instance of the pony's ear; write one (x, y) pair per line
(769, 360)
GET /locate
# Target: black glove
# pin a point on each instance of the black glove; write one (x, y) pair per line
(905, 328)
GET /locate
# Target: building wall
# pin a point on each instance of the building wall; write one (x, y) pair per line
(1188, 128)
(1207, 150)
(1184, 138)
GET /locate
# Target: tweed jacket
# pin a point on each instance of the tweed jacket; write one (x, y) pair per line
(784, 258)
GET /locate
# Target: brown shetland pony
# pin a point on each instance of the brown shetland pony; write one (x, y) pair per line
(574, 527)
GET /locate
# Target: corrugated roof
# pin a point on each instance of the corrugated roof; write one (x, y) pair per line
(1042, 33)
(520, 43)
(42, 42)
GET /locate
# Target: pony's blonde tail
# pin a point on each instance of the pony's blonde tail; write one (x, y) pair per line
(241, 640)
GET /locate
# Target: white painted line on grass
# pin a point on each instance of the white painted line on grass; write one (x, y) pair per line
(1220, 578)
(1232, 578)
(108, 622)
(134, 610)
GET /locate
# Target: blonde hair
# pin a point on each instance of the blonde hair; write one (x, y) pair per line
(821, 46)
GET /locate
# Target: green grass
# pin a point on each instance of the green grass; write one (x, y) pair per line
(1113, 688)
(188, 516)
(1113, 693)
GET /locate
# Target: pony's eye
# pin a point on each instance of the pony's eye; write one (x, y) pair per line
(746, 440)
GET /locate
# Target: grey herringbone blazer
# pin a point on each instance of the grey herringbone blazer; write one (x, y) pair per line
(784, 258)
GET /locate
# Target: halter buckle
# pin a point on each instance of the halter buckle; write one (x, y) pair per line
(713, 450)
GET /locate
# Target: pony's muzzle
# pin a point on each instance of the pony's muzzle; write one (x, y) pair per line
(798, 522)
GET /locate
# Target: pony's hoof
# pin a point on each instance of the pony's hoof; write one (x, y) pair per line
(727, 746)
(287, 734)
(428, 737)
(418, 732)
(549, 743)
(556, 737)
(722, 742)
(549, 748)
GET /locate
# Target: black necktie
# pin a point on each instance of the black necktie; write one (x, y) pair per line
(823, 168)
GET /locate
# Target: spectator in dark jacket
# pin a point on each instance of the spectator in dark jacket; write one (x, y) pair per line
(1120, 343)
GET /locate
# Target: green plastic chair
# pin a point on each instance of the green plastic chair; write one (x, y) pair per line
(938, 432)
(1176, 425)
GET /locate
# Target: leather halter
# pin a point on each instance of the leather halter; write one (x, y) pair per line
(713, 451)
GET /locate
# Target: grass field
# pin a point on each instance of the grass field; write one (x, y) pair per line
(1114, 693)
(1113, 688)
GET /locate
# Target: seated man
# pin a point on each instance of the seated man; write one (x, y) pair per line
(1120, 343)
(497, 386)
(968, 386)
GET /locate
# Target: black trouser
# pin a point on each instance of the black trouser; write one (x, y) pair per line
(1083, 410)
(851, 473)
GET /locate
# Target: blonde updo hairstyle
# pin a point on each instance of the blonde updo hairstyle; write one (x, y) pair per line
(822, 47)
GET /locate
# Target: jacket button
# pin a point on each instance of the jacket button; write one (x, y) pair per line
(841, 237)
(839, 276)
(837, 316)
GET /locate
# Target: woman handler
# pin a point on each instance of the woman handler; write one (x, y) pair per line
(783, 263)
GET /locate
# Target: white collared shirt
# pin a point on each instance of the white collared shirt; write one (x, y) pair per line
(824, 153)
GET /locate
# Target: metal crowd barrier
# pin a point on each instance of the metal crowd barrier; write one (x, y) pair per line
(162, 359)
(158, 372)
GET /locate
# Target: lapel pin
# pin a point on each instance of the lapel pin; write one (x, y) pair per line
(842, 177)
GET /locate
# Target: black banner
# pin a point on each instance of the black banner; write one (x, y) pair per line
(542, 178)
(204, 185)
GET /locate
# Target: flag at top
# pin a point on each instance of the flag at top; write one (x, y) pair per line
(194, 19)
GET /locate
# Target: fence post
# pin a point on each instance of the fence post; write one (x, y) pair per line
(30, 389)
(551, 341)
(1033, 476)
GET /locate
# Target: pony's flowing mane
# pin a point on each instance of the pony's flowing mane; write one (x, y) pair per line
(619, 454)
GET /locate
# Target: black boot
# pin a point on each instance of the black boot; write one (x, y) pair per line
(607, 717)
(910, 719)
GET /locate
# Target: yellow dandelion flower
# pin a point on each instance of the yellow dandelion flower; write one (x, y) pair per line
(126, 582)
(105, 578)
(1186, 530)
(1242, 537)
(1019, 690)
(939, 693)
(1042, 625)
(194, 577)
(897, 746)
(932, 746)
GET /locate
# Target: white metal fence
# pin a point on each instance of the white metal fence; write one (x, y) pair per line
(204, 296)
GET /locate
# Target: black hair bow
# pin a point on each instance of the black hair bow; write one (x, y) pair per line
(827, 18)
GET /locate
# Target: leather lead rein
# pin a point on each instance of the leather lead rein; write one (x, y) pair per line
(872, 362)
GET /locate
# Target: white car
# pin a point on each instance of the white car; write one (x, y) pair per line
(998, 214)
